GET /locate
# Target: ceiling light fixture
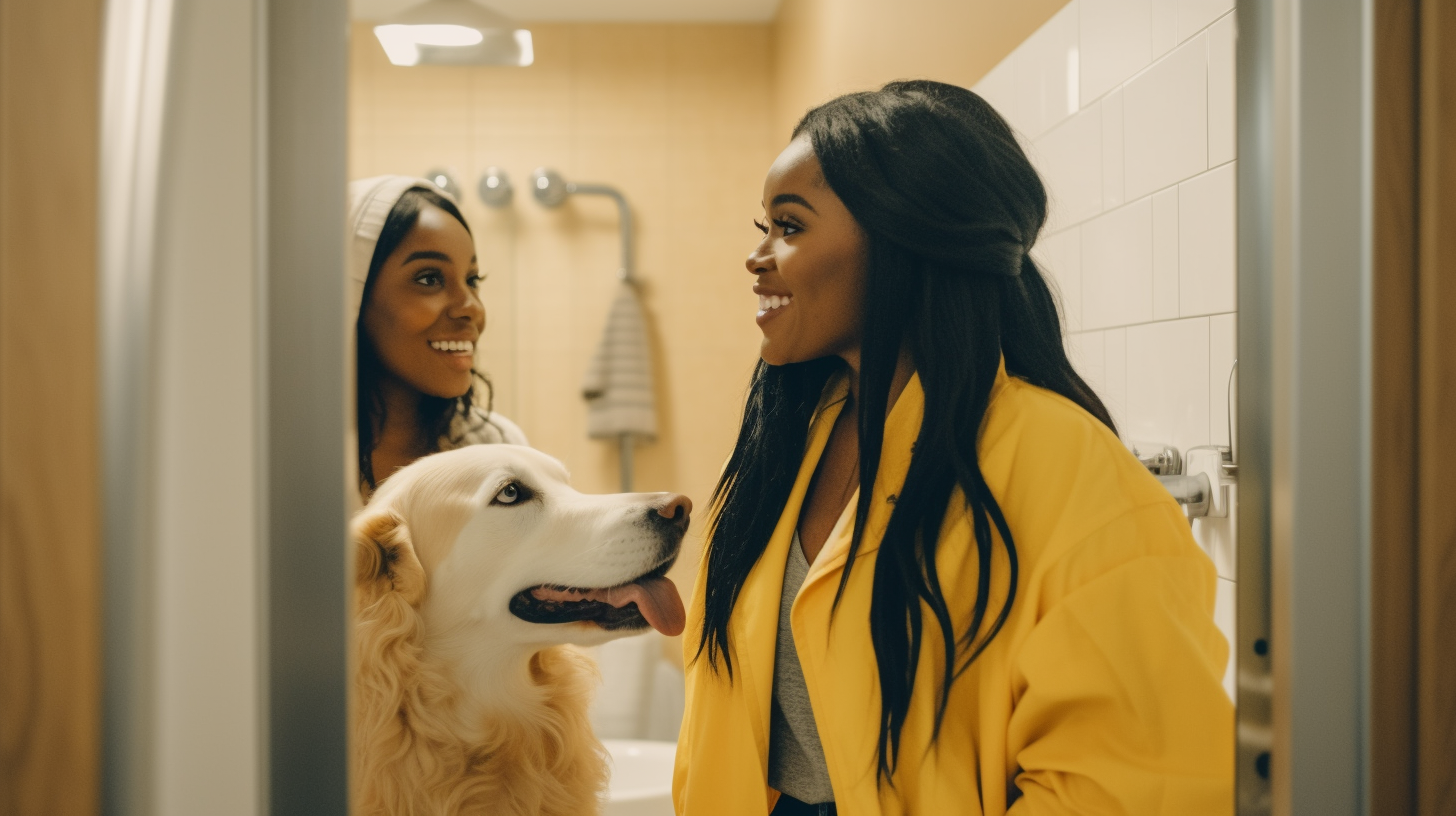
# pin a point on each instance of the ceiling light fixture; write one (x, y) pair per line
(454, 32)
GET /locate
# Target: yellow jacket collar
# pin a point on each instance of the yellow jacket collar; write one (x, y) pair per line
(754, 624)
(902, 428)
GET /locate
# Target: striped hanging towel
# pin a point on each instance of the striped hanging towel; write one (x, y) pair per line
(618, 382)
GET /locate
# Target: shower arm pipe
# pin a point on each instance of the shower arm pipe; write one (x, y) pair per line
(624, 214)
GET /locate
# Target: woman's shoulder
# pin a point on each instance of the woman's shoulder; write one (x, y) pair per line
(482, 427)
(1067, 478)
(1033, 423)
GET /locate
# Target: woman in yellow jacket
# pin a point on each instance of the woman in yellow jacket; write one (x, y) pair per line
(936, 583)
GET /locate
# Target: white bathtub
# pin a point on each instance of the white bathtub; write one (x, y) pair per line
(641, 778)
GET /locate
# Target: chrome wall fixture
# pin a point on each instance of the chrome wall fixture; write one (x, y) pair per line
(1193, 491)
(445, 180)
(1162, 460)
(495, 188)
(1199, 481)
(551, 190)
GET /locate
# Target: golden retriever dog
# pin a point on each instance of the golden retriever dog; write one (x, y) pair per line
(473, 569)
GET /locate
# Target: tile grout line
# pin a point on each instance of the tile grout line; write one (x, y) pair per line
(1061, 228)
(1207, 316)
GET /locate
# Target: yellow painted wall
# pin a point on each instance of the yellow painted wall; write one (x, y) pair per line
(677, 117)
(823, 48)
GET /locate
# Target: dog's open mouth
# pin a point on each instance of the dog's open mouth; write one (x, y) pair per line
(650, 600)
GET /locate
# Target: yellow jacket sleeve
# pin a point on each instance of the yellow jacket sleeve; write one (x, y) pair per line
(1117, 704)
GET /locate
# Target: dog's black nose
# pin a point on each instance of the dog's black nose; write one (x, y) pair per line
(678, 508)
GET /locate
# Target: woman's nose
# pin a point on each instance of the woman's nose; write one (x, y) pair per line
(466, 303)
(760, 260)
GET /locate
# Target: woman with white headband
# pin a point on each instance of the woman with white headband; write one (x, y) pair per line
(413, 278)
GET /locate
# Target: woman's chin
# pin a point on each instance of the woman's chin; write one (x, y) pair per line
(454, 389)
(771, 355)
(783, 354)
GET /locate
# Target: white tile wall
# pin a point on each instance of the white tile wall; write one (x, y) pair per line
(1221, 91)
(1117, 267)
(1073, 183)
(1165, 26)
(998, 87)
(1060, 254)
(1165, 120)
(1047, 75)
(1087, 353)
(1167, 382)
(1112, 164)
(1206, 243)
(1195, 15)
(1165, 254)
(1222, 352)
(1114, 373)
(1140, 236)
(1117, 42)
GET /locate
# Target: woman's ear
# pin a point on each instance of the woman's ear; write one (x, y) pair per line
(385, 560)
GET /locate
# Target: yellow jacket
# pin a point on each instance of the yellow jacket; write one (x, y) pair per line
(1101, 695)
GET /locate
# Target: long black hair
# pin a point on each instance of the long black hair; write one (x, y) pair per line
(436, 413)
(950, 207)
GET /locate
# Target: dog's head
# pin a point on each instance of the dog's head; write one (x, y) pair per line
(490, 542)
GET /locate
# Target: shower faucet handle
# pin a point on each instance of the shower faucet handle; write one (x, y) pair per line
(1159, 458)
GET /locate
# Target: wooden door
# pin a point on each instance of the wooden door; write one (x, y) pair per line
(1413, 600)
(50, 647)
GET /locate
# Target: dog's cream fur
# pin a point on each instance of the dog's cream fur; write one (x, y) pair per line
(459, 707)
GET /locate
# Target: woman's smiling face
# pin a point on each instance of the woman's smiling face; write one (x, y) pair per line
(810, 265)
(423, 314)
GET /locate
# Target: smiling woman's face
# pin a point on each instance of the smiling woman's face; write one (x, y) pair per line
(423, 314)
(811, 263)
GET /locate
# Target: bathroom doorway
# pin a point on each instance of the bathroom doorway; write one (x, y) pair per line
(1162, 129)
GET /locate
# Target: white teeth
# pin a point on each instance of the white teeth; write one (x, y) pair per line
(456, 346)
(767, 302)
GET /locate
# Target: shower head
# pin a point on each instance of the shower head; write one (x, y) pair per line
(445, 180)
(550, 188)
(495, 188)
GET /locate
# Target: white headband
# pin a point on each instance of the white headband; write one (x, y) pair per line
(370, 201)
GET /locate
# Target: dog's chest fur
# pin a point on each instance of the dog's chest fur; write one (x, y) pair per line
(536, 757)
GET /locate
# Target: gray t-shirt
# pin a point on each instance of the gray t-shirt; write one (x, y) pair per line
(795, 757)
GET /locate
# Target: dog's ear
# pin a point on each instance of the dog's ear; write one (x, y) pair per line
(385, 560)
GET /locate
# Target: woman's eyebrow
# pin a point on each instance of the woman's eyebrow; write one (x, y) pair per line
(792, 198)
(427, 255)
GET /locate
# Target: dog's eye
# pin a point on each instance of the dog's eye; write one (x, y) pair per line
(510, 494)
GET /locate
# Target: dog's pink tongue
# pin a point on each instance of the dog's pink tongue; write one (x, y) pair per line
(657, 600)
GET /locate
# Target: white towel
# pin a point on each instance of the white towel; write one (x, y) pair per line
(618, 382)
